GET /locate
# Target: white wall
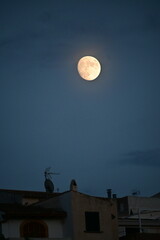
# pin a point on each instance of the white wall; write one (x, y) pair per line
(11, 228)
(55, 228)
(64, 202)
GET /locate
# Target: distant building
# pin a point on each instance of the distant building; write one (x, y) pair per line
(157, 195)
(65, 216)
(139, 216)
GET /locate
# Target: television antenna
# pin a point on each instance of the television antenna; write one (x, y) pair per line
(48, 173)
(136, 192)
(49, 186)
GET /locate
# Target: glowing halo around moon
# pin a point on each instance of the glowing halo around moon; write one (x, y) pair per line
(89, 68)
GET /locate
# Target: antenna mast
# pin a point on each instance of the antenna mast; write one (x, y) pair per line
(48, 174)
(49, 186)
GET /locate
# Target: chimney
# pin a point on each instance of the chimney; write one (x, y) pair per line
(109, 193)
(114, 195)
(73, 186)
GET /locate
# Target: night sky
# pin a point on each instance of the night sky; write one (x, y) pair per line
(104, 133)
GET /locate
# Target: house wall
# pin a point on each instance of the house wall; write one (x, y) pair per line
(107, 210)
(75, 204)
(63, 202)
(122, 205)
(11, 228)
(142, 203)
(133, 204)
(66, 205)
(55, 228)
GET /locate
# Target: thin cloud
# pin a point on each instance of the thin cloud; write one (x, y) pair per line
(143, 158)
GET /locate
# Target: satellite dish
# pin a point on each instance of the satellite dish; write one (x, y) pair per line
(49, 186)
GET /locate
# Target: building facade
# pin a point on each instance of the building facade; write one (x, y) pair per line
(139, 217)
(68, 216)
(88, 217)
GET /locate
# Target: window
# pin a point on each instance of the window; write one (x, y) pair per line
(92, 221)
(35, 229)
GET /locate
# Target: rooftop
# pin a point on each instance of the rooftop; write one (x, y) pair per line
(9, 211)
(31, 194)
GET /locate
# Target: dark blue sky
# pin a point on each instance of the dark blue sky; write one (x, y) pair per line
(104, 133)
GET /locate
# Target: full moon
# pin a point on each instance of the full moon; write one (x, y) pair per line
(89, 68)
